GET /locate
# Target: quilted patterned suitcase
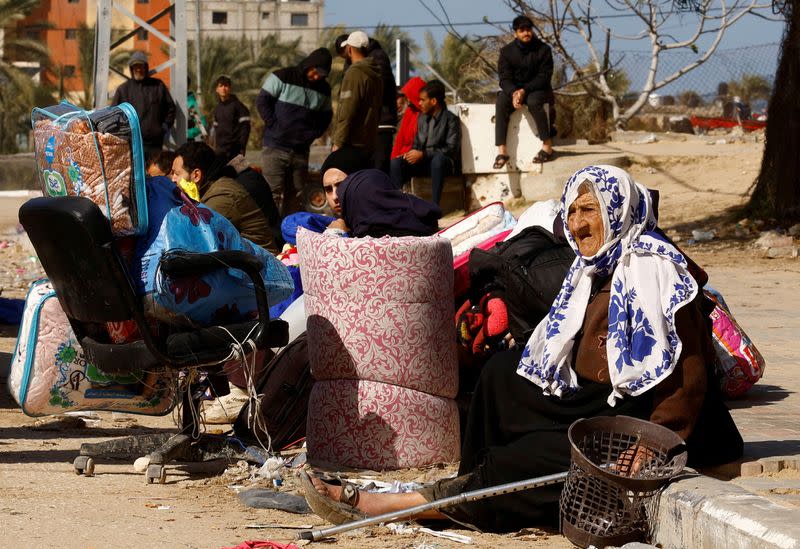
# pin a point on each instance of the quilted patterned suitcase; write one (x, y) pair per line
(49, 374)
(97, 154)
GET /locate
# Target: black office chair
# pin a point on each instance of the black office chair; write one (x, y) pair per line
(74, 243)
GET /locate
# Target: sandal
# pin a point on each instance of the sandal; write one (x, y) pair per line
(335, 512)
(544, 156)
(499, 161)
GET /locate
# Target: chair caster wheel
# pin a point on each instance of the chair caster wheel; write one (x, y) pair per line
(84, 465)
(156, 473)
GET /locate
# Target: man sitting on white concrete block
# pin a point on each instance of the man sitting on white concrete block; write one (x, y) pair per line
(525, 68)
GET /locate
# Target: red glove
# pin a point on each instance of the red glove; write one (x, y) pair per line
(494, 316)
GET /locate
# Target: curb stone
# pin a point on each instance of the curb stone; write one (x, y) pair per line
(702, 512)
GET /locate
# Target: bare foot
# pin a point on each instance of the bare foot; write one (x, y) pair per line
(377, 504)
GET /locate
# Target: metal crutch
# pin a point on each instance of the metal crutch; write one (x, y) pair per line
(520, 485)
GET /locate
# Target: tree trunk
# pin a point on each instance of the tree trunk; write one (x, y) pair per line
(777, 191)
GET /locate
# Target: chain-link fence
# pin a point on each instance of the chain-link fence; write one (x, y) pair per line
(739, 66)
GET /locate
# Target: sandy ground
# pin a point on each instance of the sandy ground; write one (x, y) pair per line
(43, 503)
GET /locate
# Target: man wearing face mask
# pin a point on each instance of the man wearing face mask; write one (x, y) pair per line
(151, 100)
(245, 206)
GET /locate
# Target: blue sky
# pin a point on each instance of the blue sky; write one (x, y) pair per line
(364, 13)
(737, 53)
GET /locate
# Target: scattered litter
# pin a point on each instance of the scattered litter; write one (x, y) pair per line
(158, 506)
(263, 544)
(404, 528)
(263, 498)
(141, 464)
(650, 138)
(279, 525)
(782, 251)
(381, 487)
(298, 461)
(91, 419)
(271, 470)
(773, 239)
(699, 235)
(531, 533)
(59, 423)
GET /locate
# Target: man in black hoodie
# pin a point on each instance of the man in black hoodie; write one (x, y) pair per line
(151, 100)
(525, 68)
(231, 121)
(387, 124)
(295, 103)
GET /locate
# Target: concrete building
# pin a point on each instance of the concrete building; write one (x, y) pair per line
(255, 19)
(61, 25)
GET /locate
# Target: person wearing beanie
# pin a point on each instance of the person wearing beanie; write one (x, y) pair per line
(295, 104)
(150, 99)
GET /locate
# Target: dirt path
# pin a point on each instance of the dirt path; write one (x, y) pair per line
(43, 503)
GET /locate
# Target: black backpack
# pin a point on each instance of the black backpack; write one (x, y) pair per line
(284, 388)
(526, 271)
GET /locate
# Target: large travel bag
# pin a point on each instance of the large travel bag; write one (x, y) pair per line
(97, 154)
(50, 374)
(526, 271)
(738, 363)
(283, 391)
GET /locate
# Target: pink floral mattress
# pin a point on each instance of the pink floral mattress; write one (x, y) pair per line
(378, 426)
(380, 310)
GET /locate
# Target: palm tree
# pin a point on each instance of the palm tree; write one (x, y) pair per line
(273, 54)
(388, 35)
(750, 87)
(247, 63)
(457, 62)
(118, 60)
(17, 90)
(229, 56)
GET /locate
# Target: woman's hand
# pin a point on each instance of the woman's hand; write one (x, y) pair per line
(339, 224)
(630, 462)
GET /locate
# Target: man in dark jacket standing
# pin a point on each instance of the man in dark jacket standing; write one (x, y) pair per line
(295, 103)
(360, 99)
(387, 124)
(151, 100)
(437, 145)
(231, 121)
(525, 68)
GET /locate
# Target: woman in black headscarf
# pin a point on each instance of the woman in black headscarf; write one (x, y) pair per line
(368, 203)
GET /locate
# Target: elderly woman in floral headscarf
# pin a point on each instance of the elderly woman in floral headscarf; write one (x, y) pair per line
(625, 336)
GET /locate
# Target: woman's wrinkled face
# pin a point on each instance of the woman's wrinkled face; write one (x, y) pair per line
(330, 182)
(585, 223)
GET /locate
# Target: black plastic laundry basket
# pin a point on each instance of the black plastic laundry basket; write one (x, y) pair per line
(619, 464)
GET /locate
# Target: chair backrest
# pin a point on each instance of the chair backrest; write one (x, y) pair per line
(73, 240)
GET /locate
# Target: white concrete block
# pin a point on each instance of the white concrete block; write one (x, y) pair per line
(704, 513)
(478, 150)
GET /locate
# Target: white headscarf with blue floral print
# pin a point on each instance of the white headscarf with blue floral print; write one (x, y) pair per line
(650, 282)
